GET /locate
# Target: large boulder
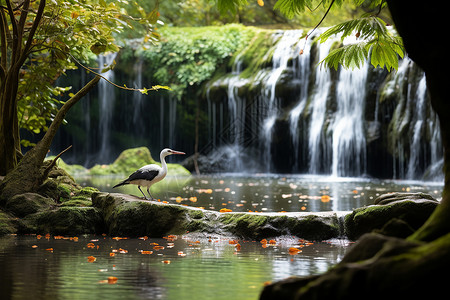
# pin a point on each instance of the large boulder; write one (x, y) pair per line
(64, 221)
(6, 224)
(29, 203)
(375, 267)
(396, 214)
(127, 215)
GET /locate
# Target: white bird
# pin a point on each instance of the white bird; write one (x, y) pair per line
(150, 174)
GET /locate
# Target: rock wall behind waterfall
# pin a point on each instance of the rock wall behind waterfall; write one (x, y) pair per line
(270, 109)
(298, 117)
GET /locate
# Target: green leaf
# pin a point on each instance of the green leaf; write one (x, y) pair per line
(292, 7)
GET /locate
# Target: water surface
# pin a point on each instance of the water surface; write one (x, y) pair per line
(269, 192)
(188, 267)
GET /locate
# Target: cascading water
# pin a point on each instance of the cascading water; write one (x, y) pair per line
(316, 141)
(106, 107)
(303, 69)
(287, 115)
(349, 142)
(284, 50)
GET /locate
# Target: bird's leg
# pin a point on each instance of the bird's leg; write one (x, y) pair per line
(148, 191)
(139, 187)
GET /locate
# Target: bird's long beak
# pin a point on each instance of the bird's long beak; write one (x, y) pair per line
(177, 152)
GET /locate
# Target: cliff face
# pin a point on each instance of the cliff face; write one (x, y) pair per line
(263, 106)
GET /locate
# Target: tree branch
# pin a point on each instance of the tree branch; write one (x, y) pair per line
(33, 29)
(50, 166)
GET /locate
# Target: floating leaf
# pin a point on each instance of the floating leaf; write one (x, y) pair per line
(294, 251)
(112, 280)
(91, 259)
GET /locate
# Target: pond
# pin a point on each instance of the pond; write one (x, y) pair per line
(177, 267)
(190, 266)
(269, 192)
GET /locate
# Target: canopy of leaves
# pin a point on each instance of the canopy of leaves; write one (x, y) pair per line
(375, 43)
(69, 29)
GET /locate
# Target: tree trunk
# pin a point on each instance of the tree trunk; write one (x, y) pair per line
(420, 27)
(28, 175)
(9, 76)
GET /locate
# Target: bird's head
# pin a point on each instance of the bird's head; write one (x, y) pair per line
(167, 152)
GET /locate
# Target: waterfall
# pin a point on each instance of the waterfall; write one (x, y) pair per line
(274, 110)
(349, 154)
(303, 70)
(284, 51)
(106, 107)
(316, 139)
(415, 149)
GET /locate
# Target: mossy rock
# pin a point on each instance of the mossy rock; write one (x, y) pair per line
(65, 221)
(6, 224)
(374, 217)
(127, 215)
(128, 161)
(376, 266)
(258, 225)
(28, 203)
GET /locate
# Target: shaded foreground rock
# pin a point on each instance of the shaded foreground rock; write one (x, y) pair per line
(127, 215)
(376, 266)
(396, 214)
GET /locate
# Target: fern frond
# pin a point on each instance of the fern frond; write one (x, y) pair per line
(349, 56)
(292, 7)
(385, 54)
(366, 27)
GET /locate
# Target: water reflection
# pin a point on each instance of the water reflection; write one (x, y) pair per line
(187, 268)
(262, 192)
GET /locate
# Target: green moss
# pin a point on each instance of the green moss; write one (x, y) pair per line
(69, 221)
(6, 224)
(128, 161)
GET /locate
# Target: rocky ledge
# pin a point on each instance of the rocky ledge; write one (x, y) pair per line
(117, 214)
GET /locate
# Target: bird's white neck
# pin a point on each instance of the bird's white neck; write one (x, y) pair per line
(162, 158)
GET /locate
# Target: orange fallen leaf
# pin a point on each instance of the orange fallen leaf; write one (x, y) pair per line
(49, 249)
(34, 246)
(232, 242)
(112, 254)
(167, 262)
(294, 251)
(90, 245)
(272, 242)
(263, 241)
(158, 248)
(112, 280)
(181, 253)
(91, 259)
(238, 247)
(147, 252)
(223, 210)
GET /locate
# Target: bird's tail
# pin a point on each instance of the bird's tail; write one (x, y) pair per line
(121, 183)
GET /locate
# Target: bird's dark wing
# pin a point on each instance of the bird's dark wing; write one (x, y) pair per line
(143, 174)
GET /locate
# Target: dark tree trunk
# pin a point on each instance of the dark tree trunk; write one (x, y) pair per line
(420, 26)
(28, 175)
